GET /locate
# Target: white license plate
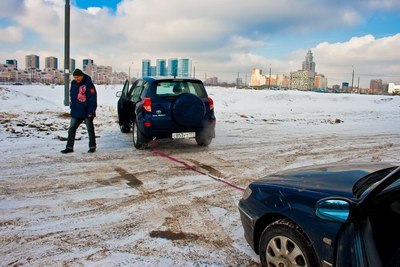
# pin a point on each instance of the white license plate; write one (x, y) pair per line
(183, 135)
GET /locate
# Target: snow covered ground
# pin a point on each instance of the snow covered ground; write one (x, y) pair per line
(127, 207)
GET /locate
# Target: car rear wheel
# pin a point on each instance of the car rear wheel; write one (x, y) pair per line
(203, 140)
(139, 140)
(125, 127)
(283, 244)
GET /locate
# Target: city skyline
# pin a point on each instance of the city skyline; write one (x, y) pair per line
(50, 73)
(359, 35)
(181, 67)
(304, 79)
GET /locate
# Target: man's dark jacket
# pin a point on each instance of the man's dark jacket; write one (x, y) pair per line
(83, 97)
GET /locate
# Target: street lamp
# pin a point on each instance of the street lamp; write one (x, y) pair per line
(194, 69)
(352, 79)
(129, 75)
(66, 54)
(269, 81)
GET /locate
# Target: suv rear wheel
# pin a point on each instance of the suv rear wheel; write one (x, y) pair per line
(139, 140)
(203, 140)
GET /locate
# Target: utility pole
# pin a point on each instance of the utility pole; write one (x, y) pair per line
(269, 81)
(237, 81)
(358, 85)
(352, 79)
(66, 54)
(245, 80)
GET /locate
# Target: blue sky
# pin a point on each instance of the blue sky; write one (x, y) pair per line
(112, 4)
(222, 37)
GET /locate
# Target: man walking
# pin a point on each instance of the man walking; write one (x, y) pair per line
(83, 108)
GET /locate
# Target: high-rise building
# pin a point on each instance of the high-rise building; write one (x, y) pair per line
(72, 65)
(146, 64)
(86, 62)
(257, 78)
(51, 63)
(393, 88)
(153, 71)
(376, 84)
(184, 67)
(12, 62)
(173, 67)
(309, 64)
(212, 81)
(302, 79)
(31, 62)
(161, 67)
(320, 82)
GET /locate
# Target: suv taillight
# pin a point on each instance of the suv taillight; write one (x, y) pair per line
(211, 103)
(147, 104)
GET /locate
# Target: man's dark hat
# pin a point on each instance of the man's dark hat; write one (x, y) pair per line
(77, 72)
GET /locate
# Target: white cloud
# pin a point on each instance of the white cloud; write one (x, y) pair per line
(225, 36)
(381, 4)
(362, 50)
(43, 17)
(93, 10)
(11, 34)
(371, 58)
(9, 8)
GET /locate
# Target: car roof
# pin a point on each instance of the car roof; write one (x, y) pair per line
(169, 78)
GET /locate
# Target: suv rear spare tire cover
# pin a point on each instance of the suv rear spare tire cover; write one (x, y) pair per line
(189, 110)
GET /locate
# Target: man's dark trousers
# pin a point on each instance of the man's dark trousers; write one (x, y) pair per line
(75, 122)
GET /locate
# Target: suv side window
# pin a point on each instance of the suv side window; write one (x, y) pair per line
(132, 87)
(194, 88)
(144, 90)
(125, 89)
(137, 91)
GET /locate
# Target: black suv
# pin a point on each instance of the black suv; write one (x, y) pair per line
(177, 108)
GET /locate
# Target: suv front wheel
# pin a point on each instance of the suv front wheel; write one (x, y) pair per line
(139, 140)
(125, 127)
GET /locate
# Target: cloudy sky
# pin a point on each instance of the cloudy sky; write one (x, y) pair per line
(223, 37)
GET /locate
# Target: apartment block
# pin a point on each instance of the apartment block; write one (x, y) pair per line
(32, 62)
(51, 63)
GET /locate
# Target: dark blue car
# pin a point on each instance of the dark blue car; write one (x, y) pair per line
(331, 215)
(176, 108)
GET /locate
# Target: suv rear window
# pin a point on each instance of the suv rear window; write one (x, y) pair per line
(175, 88)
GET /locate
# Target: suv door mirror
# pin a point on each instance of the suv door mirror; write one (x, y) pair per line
(118, 94)
(336, 210)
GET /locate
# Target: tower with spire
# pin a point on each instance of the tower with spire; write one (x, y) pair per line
(309, 64)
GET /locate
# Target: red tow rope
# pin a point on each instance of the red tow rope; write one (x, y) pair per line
(153, 146)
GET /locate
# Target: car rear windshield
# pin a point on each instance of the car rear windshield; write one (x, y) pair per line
(175, 88)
